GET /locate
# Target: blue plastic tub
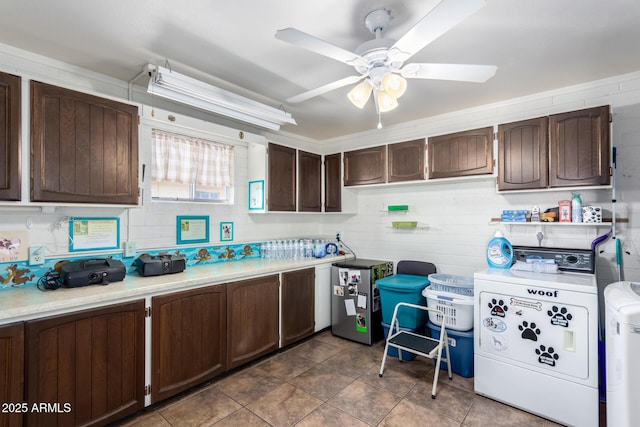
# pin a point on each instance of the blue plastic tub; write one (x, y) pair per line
(403, 288)
(392, 351)
(460, 350)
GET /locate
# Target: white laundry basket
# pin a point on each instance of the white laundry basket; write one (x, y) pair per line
(457, 309)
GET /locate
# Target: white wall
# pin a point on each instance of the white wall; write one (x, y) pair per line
(456, 214)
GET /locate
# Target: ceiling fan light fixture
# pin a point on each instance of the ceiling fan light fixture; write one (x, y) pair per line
(360, 94)
(386, 102)
(394, 85)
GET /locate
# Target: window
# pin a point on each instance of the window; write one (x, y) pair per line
(188, 168)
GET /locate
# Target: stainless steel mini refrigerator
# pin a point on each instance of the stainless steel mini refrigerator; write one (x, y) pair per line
(355, 302)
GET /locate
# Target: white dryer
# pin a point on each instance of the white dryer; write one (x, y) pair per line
(622, 324)
(536, 337)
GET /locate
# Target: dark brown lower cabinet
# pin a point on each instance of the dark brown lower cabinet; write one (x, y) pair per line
(298, 305)
(188, 339)
(87, 367)
(252, 319)
(12, 374)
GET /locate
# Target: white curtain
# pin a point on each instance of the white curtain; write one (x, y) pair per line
(184, 159)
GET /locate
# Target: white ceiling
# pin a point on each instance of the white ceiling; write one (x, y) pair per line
(537, 45)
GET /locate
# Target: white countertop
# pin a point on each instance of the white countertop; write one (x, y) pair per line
(29, 302)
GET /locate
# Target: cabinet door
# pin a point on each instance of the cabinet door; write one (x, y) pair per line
(461, 153)
(366, 166)
(282, 178)
(252, 319)
(579, 152)
(188, 339)
(92, 360)
(523, 154)
(310, 182)
(407, 160)
(298, 305)
(84, 148)
(11, 372)
(332, 183)
(10, 161)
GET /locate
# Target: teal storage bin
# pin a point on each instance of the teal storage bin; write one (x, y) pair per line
(460, 350)
(392, 351)
(403, 288)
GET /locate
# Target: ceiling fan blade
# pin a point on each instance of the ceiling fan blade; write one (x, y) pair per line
(326, 88)
(322, 47)
(446, 15)
(458, 72)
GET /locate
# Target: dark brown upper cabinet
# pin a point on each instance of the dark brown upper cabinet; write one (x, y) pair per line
(310, 182)
(333, 183)
(282, 178)
(461, 154)
(407, 160)
(10, 140)
(84, 149)
(523, 154)
(563, 150)
(365, 166)
(579, 147)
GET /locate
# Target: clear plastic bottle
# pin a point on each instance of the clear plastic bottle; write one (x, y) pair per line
(576, 207)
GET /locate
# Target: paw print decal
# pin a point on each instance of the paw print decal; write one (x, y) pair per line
(547, 356)
(559, 316)
(498, 308)
(529, 331)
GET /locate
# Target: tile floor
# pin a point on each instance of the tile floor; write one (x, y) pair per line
(328, 381)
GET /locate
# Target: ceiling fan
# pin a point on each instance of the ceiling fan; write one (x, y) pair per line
(380, 62)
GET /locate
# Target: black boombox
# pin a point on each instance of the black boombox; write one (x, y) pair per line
(95, 271)
(155, 265)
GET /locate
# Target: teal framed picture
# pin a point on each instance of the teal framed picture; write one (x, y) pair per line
(256, 195)
(91, 234)
(226, 231)
(192, 229)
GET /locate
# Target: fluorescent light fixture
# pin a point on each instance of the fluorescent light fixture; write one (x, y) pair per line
(186, 90)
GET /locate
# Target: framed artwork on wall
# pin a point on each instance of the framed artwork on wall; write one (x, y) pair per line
(226, 231)
(256, 195)
(192, 229)
(90, 234)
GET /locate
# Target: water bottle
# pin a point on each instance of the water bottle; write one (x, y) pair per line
(499, 252)
(576, 208)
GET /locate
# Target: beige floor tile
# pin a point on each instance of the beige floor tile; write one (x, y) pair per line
(351, 363)
(321, 381)
(487, 412)
(242, 417)
(450, 401)
(284, 406)
(329, 416)
(365, 402)
(249, 385)
(285, 366)
(150, 419)
(204, 408)
(408, 414)
(315, 350)
(394, 379)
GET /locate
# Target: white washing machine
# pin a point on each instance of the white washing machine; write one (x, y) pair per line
(536, 337)
(622, 324)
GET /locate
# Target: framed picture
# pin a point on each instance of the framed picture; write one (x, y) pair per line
(89, 234)
(192, 229)
(256, 195)
(226, 231)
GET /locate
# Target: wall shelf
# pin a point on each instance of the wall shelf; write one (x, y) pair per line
(606, 222)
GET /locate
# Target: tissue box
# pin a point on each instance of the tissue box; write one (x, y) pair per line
(592, 214)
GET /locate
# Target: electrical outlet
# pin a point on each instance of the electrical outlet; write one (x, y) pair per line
(36, 255)
(129, 249)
